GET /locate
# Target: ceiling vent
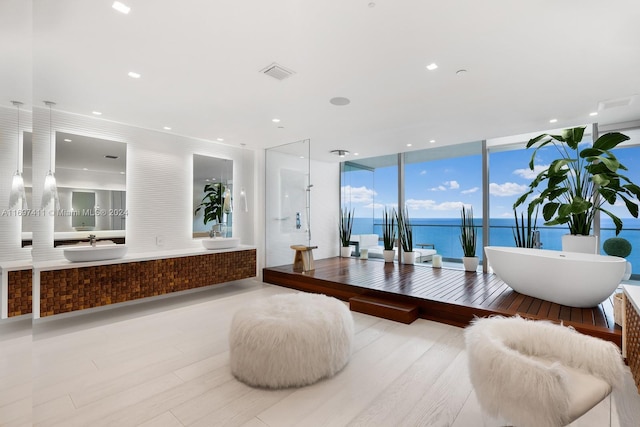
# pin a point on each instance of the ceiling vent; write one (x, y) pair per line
(614, 103)
(277, 71)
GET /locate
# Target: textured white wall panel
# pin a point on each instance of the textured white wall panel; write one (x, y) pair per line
(10, 149)
(159, 182)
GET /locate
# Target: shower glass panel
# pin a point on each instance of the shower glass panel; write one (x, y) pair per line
(288, 201)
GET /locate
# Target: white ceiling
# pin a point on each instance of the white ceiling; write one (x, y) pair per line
(526, 62)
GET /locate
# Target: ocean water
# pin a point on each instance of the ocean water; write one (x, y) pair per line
(444, 233)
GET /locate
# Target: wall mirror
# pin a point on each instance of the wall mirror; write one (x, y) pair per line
(91, 179)
(212, 196)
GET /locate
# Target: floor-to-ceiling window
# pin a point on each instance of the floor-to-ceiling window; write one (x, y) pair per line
(367, 187)
(438, 183)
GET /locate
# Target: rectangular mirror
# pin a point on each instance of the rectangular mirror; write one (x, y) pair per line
(91, 179)
(212, 196)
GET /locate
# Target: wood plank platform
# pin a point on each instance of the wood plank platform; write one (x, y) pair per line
(444, 295)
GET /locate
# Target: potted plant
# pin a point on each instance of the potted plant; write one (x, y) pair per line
(577, 184)
(213, 203)
(346, 224)
(468, 239)
(405, 234)
(526, 235)
(388, 234)
(620, 247)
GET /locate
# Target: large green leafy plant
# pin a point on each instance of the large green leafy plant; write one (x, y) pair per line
(212, 203)
(577, 184)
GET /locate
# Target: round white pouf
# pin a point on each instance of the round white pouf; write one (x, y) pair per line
(290, 340)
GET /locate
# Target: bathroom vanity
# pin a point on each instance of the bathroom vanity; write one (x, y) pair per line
(15, 295)
(631, 330)
(63, 286)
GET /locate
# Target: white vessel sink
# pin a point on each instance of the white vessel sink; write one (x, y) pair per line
(94, 253)
(221, 242)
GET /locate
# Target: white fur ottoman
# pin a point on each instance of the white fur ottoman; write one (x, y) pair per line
(290, 340)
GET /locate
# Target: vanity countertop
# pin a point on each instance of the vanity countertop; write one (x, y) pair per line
(23, 264)
(136, 257)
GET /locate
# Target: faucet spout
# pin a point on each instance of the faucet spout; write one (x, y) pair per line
(92, 240)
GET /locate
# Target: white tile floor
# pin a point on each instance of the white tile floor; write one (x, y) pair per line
(165, 363)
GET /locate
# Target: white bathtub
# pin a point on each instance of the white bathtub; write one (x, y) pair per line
(567, 278)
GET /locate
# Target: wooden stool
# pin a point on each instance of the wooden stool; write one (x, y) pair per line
(303, 259)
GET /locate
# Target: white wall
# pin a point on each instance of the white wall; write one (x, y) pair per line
(159, 182)
(10, 224)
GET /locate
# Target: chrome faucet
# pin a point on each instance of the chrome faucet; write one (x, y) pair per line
(216, 233)
(92, 239)
(537, 244)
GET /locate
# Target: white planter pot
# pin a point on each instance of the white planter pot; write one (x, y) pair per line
(345, 251)
(581, 244)
(470, 263)
(409, 257)
(389, 255)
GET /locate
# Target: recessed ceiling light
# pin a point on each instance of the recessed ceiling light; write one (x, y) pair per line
(461, 72)
(85, 169)
(432, 141)
(432, 66)
(356, 154)
(408, 145)
(67, 140)
(340, 101)
(553, 120)
(121, 173)
(166, 128)
(275, 120)
(97, 113)
(302, 157)
(122, 8)
(220, 139)
(595, 113)
(133, 75)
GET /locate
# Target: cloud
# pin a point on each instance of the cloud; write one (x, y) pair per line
(358, 194)
(429, 204)
(506, 189)
(447, 185)
(423, 172)
(471, 190)
(528, 173)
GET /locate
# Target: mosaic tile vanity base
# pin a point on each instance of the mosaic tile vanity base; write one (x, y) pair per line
(19, 295)
(632, 333)
(72, 289)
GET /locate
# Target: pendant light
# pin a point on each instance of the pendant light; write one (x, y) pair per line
(17, 196)
(50, 190)
(243, 193)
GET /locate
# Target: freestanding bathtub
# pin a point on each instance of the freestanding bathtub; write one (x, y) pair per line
(566, 278)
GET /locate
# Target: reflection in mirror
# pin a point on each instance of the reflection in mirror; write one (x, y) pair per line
(212, 196)
(91, 178)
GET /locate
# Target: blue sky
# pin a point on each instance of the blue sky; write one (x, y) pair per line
(437, 189)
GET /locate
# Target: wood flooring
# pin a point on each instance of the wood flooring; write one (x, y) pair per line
(445, 295)
(166, 363)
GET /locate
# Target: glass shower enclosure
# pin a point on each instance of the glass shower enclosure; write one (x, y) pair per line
(288, 201)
